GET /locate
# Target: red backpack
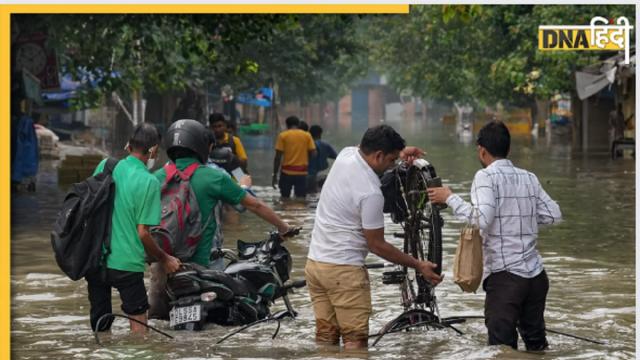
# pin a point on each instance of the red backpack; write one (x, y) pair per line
(181, 227)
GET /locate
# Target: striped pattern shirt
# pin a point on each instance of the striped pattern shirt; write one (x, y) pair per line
(508, 204)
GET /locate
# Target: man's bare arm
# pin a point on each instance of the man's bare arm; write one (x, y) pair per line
(379, 246)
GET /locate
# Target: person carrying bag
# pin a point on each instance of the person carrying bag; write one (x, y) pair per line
(510, 206)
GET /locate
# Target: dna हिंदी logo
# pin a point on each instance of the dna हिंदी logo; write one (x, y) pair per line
(600, 34)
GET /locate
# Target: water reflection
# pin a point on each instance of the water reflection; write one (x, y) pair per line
(589, 258)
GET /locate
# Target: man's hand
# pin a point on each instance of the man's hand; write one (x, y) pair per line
(411, 153)
(288, 232)
(274, 181)
(245, 181)
(439, 195)
(171, 264)
(426, 269)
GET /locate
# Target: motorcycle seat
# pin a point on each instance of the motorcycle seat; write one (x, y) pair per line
(182, 284)
(238, 287)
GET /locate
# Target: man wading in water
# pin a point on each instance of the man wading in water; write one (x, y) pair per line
(510, 204)
(349, 223)
(136, 208)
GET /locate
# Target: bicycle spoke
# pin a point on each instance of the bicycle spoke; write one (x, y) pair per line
(422, 239)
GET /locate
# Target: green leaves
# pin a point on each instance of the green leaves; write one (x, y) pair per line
(309, 55)
(467, 53)
(480, 54)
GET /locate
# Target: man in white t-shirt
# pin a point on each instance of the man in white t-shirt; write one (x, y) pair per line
(349, 223)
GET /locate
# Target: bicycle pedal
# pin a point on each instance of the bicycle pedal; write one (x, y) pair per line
(393, 277)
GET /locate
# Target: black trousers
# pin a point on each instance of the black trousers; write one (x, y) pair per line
(514, 302)
(130, 285)
(297, 182)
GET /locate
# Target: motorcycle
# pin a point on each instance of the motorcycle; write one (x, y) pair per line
(256, 276)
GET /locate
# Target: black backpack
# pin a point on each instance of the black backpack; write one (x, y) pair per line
(83, 226)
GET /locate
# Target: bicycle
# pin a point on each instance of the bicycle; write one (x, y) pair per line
(406, 200)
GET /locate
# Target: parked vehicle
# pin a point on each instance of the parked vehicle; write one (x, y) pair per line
(256, 276)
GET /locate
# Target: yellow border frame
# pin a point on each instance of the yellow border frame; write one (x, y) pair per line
(5, 72)
(197, 9)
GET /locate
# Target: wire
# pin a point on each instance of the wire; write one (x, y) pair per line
(277, 330)
(95, 332)
(250, 325)
(577, 337)
(547, 329)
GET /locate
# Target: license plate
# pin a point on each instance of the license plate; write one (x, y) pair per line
(185, 314)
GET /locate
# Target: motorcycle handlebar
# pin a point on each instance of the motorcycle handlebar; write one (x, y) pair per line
(290, 233)
(295, 284)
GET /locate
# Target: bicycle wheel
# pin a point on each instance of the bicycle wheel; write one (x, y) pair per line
(422, 231)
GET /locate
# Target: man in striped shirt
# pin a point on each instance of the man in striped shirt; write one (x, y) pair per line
(508, 204)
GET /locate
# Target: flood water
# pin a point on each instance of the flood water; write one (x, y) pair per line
(590, 260)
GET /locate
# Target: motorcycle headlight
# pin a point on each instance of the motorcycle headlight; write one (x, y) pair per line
(208, 296)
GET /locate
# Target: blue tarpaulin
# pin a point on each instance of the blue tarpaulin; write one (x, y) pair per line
(25, 163)
(68, 86)
(262, 97)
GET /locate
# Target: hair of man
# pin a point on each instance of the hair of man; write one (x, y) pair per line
(144, 137)
(495, 138)
(381, 138)
(216, 117)
(316, 131)
(292, 121)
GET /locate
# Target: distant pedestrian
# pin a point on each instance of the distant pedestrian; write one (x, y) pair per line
(294, 147)
(616, 123)
(225, 139)
(318, 163)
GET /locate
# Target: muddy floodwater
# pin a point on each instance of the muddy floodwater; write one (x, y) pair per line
(590, 260)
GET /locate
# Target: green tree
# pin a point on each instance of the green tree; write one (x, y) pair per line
(133, 53)
(308, 56)
(481, 54)
(130, 54)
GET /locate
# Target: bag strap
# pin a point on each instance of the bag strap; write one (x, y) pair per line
(187, 173)
(172, 170)
(231, 143)
(110, 165)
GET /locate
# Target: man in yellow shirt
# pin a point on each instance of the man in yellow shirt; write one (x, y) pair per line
(218, 125)
(293, 149)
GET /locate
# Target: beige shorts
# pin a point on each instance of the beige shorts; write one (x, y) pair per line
(341, 297)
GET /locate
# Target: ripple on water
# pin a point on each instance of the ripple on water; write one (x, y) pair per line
(41, 280)
(65, 319)
(39, 297)
(41, 276)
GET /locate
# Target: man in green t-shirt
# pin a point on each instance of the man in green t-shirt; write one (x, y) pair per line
(136, 208)
(190, 142)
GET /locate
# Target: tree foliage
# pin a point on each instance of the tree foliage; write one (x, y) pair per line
(308, 56)
(174, 52)
(481, 54)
